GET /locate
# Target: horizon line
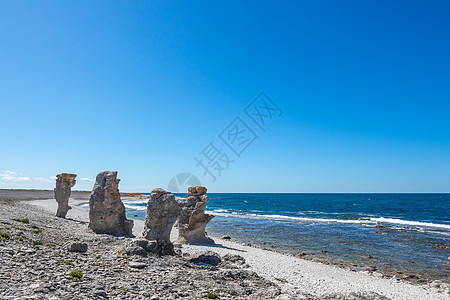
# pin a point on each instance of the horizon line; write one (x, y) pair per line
(137, 193)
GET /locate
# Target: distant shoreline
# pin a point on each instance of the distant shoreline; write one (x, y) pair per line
(34, 194)
(306, 193)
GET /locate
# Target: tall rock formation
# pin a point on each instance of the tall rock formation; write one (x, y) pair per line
(106, 210)
(64, 184)
(162, 212)
(193, 220)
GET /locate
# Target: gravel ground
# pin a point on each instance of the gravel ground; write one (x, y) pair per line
(35, 262)
(42, 271)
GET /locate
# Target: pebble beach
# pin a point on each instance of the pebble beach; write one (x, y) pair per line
(37, 262)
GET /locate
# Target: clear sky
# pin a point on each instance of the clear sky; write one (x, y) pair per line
(145, 87)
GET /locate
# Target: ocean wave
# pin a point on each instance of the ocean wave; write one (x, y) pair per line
(447, 233)
(140, 204)
(410, 223)
(365, 221)
(283, 218)
(134, 207)
(135, 201)
(318, 212)
(220, 210)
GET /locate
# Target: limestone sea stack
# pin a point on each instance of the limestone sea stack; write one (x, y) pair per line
(106, 210)
(64, 184)
(193, 220)
(162, 212)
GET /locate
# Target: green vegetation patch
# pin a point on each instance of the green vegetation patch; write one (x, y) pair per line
(19, 228)
(21, 238)
(211, 296)
(76, 275)
(4, 236)
(37, 243)
(69, 262)
(24, 220)
(37, 231)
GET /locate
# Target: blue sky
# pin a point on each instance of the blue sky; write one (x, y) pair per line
(143, 87)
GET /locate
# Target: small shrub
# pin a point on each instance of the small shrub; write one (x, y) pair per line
(37, 243)
(69, 262)
(24, 220)
(125, 257)
(124, 289)
(19, 228)
(4, 236)
(211, 296)
(76, 275)
(37, 231)
(20, 238)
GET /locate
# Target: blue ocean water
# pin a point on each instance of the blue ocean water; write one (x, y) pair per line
(393, 232)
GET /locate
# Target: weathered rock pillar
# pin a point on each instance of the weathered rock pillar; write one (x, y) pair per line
(64, 184)
(162, 212)
(193, 220)
(106, 210)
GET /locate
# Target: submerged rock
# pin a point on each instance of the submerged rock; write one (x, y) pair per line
(106, 210)
(193, 220)
(64, 184)
(162, 212)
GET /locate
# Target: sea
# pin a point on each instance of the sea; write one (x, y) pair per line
(399, 234)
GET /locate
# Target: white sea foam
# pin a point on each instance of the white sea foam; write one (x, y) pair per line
(135, 201)
(134, 207)
(410, 223)
(220, 211)
(366, 221)
(447, 233)
(284, 218)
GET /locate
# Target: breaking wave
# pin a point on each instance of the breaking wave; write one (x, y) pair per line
(368, 220)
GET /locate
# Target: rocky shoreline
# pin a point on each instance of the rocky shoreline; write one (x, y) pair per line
(37, 263)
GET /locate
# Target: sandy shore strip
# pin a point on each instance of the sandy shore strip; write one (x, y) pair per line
(294, 275)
